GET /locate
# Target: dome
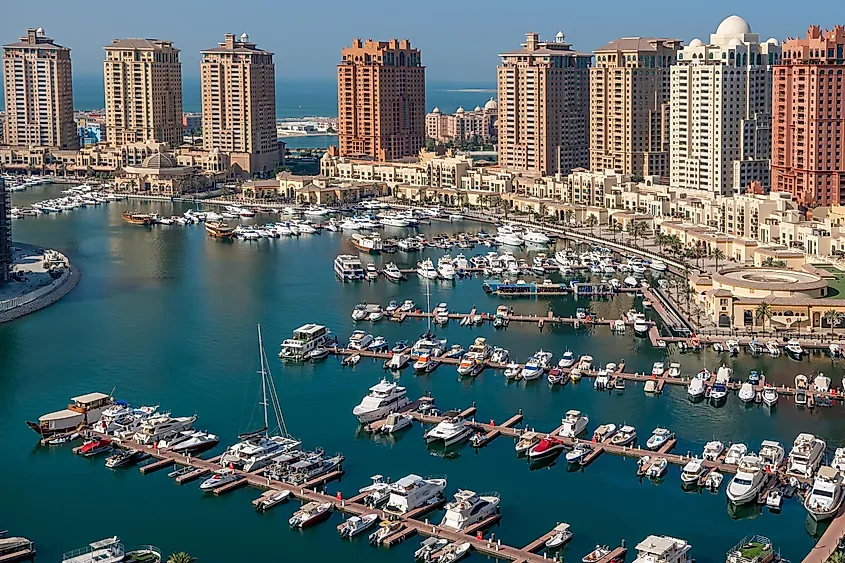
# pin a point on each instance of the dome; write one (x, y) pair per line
(559, 37)
(39, 31)
(477, 108)
(460, 110)
(772, 41)
(696, 43)
(491, 104)
(735, 42)
(158, 160)
(435, 110)
(244, 37)
(733, 26)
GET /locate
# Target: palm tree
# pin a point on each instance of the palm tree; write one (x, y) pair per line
(181, 557)
(764, 313)
(592, 221)
(836, 557)
(717, 255)
(660, 240)
(831, 316)
(543, 210)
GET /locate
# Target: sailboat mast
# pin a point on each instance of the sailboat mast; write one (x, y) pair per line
(428, 303)
(263, 383)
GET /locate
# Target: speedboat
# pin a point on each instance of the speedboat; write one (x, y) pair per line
(733, 347)
(746, 392)
(451, 430)
(599, 553)
(310, 514)
(429, 546)
(712, 450)
(573, 424)
(748, 480)
(773, 348)
(825, 497)
(735, 453)
(567, 360)
(219, 478)
(547, 447)
(696, 388)
(396, 422)
(794, 350)
(467, 509)
(578, 453)
(123, 458)
(770, 395)
(357, 524)
(562, 534)
(835, 350)
(674, 370)
(513, 371)
(626, 436)
(657, 369)
(692, 471)
(532, 368)
(713, 480)
(657, 468)
(658, 438)
(384, 398)
(839, 459)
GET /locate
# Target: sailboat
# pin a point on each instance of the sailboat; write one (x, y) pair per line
(428, 344)
(257, 449)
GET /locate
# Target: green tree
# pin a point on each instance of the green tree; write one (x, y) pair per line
(832, 318)
(592, 221)
(181, 557)
(717, 255)
(544, 209)
(660, 240)
(764, 313)
(836, 557)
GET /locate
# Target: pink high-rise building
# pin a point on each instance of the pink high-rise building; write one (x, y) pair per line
(808, 119)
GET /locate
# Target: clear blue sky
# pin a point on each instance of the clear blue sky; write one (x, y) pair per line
(459, 38)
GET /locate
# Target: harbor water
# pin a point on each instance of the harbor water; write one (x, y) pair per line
(165, 315)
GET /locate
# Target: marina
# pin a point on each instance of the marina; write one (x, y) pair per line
(202, 344)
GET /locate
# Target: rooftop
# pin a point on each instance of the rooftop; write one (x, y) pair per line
(142, 44)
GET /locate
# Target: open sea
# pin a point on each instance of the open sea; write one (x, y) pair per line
(165, 315)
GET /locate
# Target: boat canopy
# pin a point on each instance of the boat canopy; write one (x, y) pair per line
(89, 398)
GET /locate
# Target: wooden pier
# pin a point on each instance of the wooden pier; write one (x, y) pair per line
(830, 540)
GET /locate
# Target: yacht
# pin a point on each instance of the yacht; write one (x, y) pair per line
(806, 455)
(657, 265)
(573, 424)
(109, 550)
(748, 480)
(626, 436)
(392, 272)
(310, 514)
(532, 369)
(663, 549)
(696, 388)
(425, 363)
(445, 269)
(770, 395)
(470, 364)
(771, 454)
(567, 360)
(825, 497)
(481, 349)
(712, 450)
(535, 237)
(305, 340)
(192, 441)
(348, 268)
(450, 430)
(692, 471)
(507, 236)
(746, 392)
(736, 452)
(161, 426)
(383, 399)
(425, 269)
(219, 478)
(773, 348)
(412, 492)
(658, 438)
(467, 509)
(359, 340)
(794, 350)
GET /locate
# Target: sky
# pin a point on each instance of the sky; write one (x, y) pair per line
(459, 39)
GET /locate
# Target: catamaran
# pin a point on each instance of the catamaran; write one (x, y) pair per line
(258, 449)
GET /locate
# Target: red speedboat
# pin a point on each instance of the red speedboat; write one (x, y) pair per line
(94, 447)
(546, 447)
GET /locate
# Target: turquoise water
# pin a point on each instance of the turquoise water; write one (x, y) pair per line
(166, 315)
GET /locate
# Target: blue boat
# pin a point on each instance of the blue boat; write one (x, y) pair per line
(754, 377)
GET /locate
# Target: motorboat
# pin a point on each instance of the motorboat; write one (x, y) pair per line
(454, 551)
(82, 410)
(445, 269)
(359, 340)
(379, 344)
(407, 306)
(384, 398)
(359, 313)
(733, 347)
(657, 468)
(270, 499)
(545, 448)
(396, 422)
(713, 480)
(398, 360)
(526, 441)
(746, 392)
(109, 550)
(578, 453)
(748, 481)
(626, 436)
(599, 553)
(567, 360)
(513, 371)
(467, 509)
(696, 388)
(560, 535)
(426, 269)
(619, 383)
(189, 441)
(306, 339)
(692, 472)
(535, 237)
(805, 456)
(774, 500)
(755, 348)
(663, 549)
(162, 426)
(773, 348)
(376, 315)
(555, 376)
(821, 383)
(674, 370)
(219, 478)
(507, 236)
(371, 273)
(771, 454)
(573, 424)
(354, 525)
(429, 546)
(712, 450)
(532, 368)
(348, 268)
(425, 363)
(499, 355)
(770, 395)
(412, 492)
(658, 438)
(122, 458)
(351, 360)
(386, 529)
(794, 350)
(391, 272)
(735, 453)
(470, 365)
(657, 369)
(825, 497)
(310, 514)
(451, 430)
(839, 459)
(835, 350)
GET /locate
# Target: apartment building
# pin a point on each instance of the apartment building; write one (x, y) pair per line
(477, 124)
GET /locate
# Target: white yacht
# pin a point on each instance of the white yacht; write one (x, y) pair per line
(532, 369)
(657, 369)
(535, 237)
(794, 350)
(305, 339)
(467, 509)
(219, 478)
(567, 360)
(748, 480)
(771, 454)
(161, 426)
(573, 424)
(445, 269)
(806, 455)
(657, 265)
(712, 450)
(426, 269)
(696, 388)
(450, 430)
(824, 499)
(662, 549)
(746, 392)
(348, 268)
(384, 398)
(359, 340)
(507, 236)
(658, 438)
(109, 550)
(770, 395)
(481, 349)
(412, 492)
(692, 471)
(736, 453)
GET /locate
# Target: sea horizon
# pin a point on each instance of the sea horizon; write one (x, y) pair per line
(298, 97)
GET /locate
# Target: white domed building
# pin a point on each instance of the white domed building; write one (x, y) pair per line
(721, 108)
(463, 125)
(159, 175)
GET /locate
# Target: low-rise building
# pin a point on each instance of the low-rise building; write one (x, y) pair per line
(477, 124)
(161, 175)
